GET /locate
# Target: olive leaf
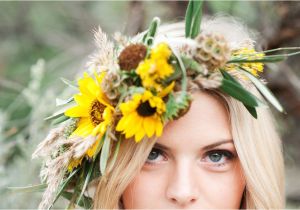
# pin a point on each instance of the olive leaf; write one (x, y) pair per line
(263, 90)
(193, 17)
(113, 161)
(27, 189)
(71, 84)
(61, 102)
(232, 87)
(104, 153)
(90, 170)
(149, 36)
(64, 185)
(60, 119)
(85, 201)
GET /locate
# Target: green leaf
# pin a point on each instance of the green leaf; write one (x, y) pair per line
(71, 84)
(85, 201)
(193, 17)
(115, 154)
(171, 108)
(63, 186)
(99, 147)
(55, 115)
(87, 179)
(60, 112)
(149, 36)
(264, 90)
(289, 49)
(226, 75)
(180, 66)
(28, 189)
(251, 110)
(259, 60)
(104, 154)
(78, 185)
(175, 104)
(60, 119)
(238, 92)
(197, 20)
(134, 90)
(61, 102)
(188, 19)
(190, 63)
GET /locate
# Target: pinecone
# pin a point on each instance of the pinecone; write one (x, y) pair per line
(212, 51)
(131, 56)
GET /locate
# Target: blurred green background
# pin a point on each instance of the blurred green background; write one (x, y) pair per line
(43, 41)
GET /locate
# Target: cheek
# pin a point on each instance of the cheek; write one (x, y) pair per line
(225, 190)
(147, 183)
(218, 190)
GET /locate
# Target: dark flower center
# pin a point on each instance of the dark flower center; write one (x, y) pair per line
(145, 110)
(96, 112)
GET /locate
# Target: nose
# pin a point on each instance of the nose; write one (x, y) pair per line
(182, 187)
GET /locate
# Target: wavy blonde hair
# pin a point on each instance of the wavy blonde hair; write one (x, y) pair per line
(256, 140)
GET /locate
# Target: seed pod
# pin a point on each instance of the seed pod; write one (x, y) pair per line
(212, 51)
(131, 56)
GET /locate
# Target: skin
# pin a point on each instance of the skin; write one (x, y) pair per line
(190, 165)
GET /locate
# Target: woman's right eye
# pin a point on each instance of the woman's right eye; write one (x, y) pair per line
(155, 156)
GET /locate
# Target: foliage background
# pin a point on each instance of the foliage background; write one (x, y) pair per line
(43, 41)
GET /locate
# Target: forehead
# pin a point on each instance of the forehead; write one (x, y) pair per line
(206, 122)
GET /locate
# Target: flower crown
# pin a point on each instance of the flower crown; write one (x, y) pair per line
(134, 90)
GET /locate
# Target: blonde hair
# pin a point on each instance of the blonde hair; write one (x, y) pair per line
(256, 140)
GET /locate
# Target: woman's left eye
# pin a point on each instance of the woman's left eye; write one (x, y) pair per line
(218, 156)
(156, 155)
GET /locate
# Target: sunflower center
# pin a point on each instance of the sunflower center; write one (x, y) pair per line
(96, 112)
(145, 110)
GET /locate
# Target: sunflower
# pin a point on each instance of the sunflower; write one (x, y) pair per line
(93, 110)
(250, 54)
(142, 116)
(155, 68)
(74, 163)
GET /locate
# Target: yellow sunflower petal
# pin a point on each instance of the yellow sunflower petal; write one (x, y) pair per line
(159, 127)
(84, 128)
(84, 84)
(96, 130)
(92, 150)
(134, 129)
(74, 163)
(139, 135)
(167, 90)
(99, 77)
(125, 122)
(149, 126)
(83, 100)
(77, 111)
(120, 126)
(102, 128)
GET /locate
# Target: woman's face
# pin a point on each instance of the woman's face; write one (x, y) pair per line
(192, 165)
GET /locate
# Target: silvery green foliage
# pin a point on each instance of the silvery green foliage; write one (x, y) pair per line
(20, 136)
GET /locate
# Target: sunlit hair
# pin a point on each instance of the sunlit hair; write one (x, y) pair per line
(256, 141)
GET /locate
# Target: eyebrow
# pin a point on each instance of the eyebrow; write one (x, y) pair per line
(208, 147)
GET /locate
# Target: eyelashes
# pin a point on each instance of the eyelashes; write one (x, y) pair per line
(214, 158)
(218, 156)
(155, 155)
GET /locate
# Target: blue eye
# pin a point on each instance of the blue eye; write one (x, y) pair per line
(155, 155)
(218, 156)
(215, 157)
